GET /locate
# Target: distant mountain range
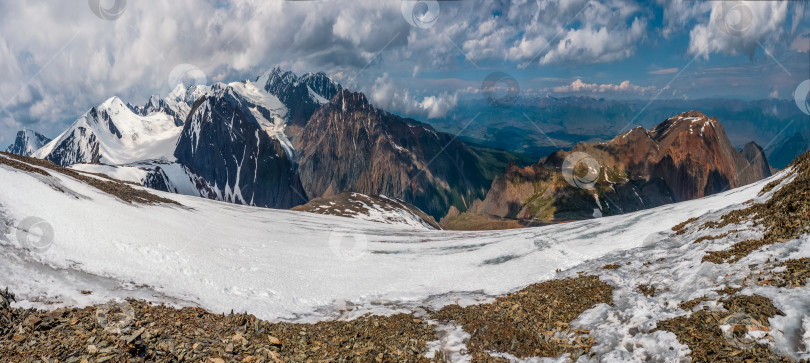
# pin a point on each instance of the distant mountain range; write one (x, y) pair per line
(277, 141)
(685, 157)
(541, 125)
(281, 140)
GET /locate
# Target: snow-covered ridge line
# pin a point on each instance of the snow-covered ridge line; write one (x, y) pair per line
(112, 133)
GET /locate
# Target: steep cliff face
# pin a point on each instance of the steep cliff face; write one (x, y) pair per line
(756, 157)
(301, 95)
(684, 157)
(348, 145)
(238, 147)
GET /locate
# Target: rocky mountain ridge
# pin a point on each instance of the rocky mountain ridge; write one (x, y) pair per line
(27, 142)
(348, 145)
(684, 157)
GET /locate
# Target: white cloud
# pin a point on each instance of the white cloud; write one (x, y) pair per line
(386, 94)
(58, 59)
(578, 86)
(664, 71)
(739, 28)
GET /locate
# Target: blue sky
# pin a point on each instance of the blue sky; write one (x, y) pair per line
(419, 58)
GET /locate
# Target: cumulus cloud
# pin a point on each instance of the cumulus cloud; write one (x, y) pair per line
(580, 86)
(597, 45)
(388, 95)
(738, 28)
(59, 58)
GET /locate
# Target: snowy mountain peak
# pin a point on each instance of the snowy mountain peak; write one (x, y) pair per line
(111, 133)
(27, 142)
(113, 103)
(178, 93)
(694, 122)
(301, 95)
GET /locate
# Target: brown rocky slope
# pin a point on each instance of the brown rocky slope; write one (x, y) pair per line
(350, 146)
(685, 157)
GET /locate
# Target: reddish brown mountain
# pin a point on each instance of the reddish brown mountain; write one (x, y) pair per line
(685, 157)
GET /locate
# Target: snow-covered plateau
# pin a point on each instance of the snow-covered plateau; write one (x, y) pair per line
(293, 266)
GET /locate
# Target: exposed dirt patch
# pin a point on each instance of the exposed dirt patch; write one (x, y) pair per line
(532, 322)
(478, 222)
(690, 304)
(110, 186)
(611, 266)
(647, 290)
(712, 238)
(22, 166)
(768, 187)
(701, 331)
(165, 334)
(680, 228)
(796, 273)
(728, 290)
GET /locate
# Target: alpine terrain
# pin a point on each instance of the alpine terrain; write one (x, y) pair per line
(685, 157)
(716, 278)
(278, 142)
(27, 142)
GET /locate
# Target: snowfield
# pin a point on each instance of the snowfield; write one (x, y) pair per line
(284, 265)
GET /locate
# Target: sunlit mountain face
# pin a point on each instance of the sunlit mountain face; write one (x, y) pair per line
(404, 181)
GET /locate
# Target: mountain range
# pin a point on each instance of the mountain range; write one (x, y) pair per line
(685, 157)
(538, 126)
(281, 140)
